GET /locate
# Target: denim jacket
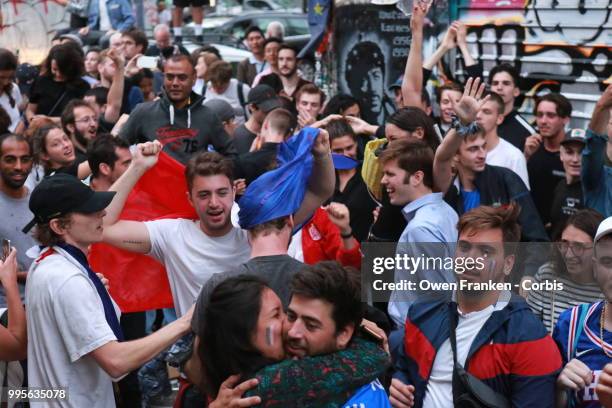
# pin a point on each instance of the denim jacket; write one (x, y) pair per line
(596, 175)
(119, 13)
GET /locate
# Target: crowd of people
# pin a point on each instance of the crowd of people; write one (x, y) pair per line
(284, 185)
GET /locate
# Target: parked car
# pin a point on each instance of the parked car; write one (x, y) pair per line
(230, 30)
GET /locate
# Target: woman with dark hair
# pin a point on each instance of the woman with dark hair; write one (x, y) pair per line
(571, 265)
(10, 96)
(405, 124)
(60, 82)
(240, 332)
(54, 150)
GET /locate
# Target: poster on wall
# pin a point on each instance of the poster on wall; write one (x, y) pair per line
(371, 44)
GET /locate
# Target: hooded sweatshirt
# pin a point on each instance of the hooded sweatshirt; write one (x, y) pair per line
(182, 132)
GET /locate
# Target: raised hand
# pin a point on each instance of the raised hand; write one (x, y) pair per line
(450, 38)
(461, 31)
(532, 144)
(146, 154)
(339, 215)
(471, 101)
(321, 145)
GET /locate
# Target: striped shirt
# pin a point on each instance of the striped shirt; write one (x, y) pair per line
(551, 303)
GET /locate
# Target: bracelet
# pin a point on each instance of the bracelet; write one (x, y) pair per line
(347, 236)
(464, 130)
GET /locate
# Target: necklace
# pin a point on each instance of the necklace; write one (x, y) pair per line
(601, 329)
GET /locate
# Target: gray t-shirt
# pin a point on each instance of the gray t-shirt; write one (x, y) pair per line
(15, 215)
(276, 270)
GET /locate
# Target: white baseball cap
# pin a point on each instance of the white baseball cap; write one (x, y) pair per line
(604, 229)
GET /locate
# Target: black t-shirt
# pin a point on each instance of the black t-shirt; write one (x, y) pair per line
(72, 169)
(515, 129)
(545, 171)
(390, 223)
(359, 202)
(567, 200)
(51, 97)
(251, 165)
(243, 139)
(276, 270)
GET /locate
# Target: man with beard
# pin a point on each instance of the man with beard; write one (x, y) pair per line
(15, 165)
(493, 333)
(80, 123)
(178, 119)
(287, 66)
(365, 77)
(320, 334)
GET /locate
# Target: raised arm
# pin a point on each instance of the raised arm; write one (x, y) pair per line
(412, 83)
(322, 179)
(466, 110)
(130, 235)
(115, 92)
(461, 31)
(447, 44)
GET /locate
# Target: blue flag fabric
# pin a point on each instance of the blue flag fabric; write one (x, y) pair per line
(280, 192)
(318, 14)
(371, 395)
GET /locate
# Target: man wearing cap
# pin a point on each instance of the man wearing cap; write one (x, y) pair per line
(584, 333)
(226, 114)
(261, 100)
(74, 337)
(567, 198)
(552, 112)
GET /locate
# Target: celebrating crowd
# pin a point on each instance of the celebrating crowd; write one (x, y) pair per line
(254, 195)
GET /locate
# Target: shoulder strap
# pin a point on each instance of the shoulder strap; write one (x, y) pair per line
(577, 322)
(241, 97)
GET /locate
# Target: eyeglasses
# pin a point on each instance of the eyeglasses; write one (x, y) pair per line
(578, 248)
(87, 120)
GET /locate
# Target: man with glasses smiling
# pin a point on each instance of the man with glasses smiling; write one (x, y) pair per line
(178, 119)
(80, 123)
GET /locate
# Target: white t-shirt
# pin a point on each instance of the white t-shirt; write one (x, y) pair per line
(439, 392)
(296, 251)
(13, 111)
(105, 23)
(191, 257)
(66, 322)
(505, 154)
(231, 96)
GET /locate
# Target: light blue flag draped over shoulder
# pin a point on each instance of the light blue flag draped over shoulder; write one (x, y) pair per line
(280, 192)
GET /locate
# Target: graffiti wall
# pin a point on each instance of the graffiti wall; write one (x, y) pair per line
(371, 44)
(558, 45)
(27, 26)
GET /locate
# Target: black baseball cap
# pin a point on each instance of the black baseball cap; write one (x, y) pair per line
(575, 135)
(264, 97)
(221, 108)
(61, 194)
